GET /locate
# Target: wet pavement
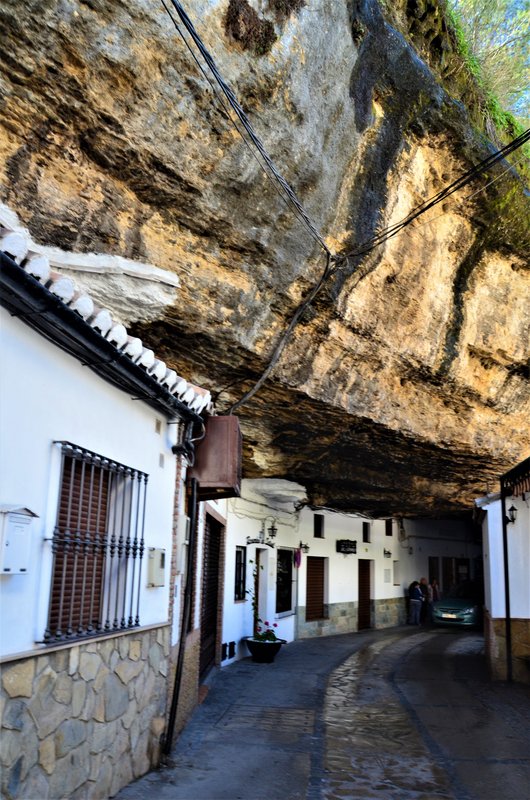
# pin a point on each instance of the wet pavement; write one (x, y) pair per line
(398, 714)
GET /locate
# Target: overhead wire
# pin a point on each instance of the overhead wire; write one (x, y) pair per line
(334, 263)
(266, 161)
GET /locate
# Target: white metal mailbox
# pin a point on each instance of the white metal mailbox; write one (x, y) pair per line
(16, 523)
(156, 566)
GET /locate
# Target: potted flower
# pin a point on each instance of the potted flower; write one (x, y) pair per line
(264, 644)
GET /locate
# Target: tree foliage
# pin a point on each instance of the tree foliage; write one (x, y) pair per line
(495, 38)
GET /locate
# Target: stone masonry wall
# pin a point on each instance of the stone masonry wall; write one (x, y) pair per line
(495, 644)
(83, 721)
(343, 618)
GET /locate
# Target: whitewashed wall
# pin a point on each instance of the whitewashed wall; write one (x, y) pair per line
(47, 395)
(518, 559)
(411, 548)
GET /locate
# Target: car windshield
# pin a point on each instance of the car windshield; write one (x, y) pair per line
(465, 591)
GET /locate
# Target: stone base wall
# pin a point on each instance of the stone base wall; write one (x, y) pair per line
(83, 721)
(340, 618)
(495, 644)
(343, 618)
(389, 613)
(189, 687)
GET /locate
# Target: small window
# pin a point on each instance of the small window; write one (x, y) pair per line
(388, 527)
(284, 582)
(397, 573)
(241, 573)
(366, 532)
(98, 544)
(318, 526)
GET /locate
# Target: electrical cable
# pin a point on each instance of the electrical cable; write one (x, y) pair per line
(266, 161)
(459, 183)
(288, 195)
(286, 335)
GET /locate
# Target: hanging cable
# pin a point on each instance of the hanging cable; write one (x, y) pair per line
(459, 183)
(286, 335)
(282, 185)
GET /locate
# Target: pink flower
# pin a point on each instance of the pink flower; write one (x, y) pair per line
(274, 625)
(265, 623)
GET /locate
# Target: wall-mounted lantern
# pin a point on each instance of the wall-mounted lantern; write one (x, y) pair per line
(387, 553)
(512, 515)
(303, 547)
(265, 537)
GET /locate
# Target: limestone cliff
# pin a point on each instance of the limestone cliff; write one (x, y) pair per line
(404, 389)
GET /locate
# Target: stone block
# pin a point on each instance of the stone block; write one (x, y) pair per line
(140, 759)
(73, 660)
(17, 679)
(29, 747)
(89, 664)
(144, 690)
(14, 777)
(14, 715)
(130, 714)
(101, 786)
(99, 682)
(47, 754)
(70, 772)
(116, 698)
(79, 691)
(157, 726)
(128, 670)
(155, 657)
(123, 646)
(102, 737)
(62, 691)
(9, 748)
(106, 649)
(135, 650)
(36, 786)
(59, 660)
(122, 774)
(44, 709)
(70, 735)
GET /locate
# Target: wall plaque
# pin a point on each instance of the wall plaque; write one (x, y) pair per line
(346, 546)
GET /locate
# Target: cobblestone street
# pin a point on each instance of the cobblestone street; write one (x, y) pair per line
(396, 715)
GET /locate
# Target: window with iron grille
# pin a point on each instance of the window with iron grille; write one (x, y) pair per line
(241, 573)
(97, 545)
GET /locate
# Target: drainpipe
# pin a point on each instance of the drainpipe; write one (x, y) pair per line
(508, 621)
(186, 618)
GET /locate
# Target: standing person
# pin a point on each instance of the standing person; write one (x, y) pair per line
(424, 589)
(415, 603)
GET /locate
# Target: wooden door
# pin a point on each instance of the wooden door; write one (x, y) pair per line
(210, 601)
(314, 605)
(365, 596)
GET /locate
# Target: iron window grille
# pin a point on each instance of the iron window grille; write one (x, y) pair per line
(97, 545)
(241, 573)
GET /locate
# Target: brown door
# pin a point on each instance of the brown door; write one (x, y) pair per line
(314, 605)
(365, 592)
(210, 601)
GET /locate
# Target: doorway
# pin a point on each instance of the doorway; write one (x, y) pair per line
(211, 605)
(365, 595)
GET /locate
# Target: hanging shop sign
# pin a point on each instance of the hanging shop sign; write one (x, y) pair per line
(346, 546)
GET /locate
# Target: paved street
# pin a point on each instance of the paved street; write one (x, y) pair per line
(397, 715)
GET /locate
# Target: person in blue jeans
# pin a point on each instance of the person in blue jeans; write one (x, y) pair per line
(415, 603)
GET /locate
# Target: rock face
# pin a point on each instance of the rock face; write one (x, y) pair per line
(404, 388)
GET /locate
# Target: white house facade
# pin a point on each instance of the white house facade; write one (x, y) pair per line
(320, 572)
(506, 543)
(90, 491)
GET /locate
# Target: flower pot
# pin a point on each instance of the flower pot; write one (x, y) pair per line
(263, 652)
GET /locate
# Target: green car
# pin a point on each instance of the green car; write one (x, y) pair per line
(461, 608)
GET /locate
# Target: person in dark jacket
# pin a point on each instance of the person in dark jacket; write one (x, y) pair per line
(415, 603)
